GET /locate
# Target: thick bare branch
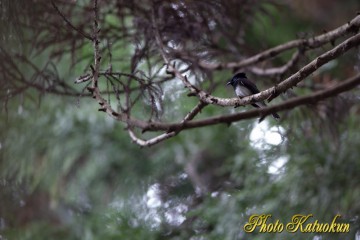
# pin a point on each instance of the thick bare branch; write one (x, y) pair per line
(289, 104)
(272, 92)
(315, 42)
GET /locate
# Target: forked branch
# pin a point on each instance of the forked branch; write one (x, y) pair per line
(137, 126)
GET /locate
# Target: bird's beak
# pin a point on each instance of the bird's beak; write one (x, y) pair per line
(228, 83)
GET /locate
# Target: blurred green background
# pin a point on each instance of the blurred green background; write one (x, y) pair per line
(71, 172)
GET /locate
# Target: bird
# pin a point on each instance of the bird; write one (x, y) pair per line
(244, 87)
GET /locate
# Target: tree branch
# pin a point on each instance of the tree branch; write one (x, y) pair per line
(172, 129)
(313, 66)
(289, 104)
(94, 89)
(348, 28)
(96, 42)
(147, 143)
(272, 92)
(278, 70)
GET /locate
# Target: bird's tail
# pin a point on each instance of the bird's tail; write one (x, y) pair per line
(262, 104)
(276, 116)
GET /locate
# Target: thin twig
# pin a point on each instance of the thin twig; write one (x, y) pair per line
(147, 143)
(85, 35)
(277, 70)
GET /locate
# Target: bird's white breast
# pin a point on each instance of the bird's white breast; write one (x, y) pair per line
(242, 91)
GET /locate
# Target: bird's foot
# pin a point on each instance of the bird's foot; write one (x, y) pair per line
(238, 105)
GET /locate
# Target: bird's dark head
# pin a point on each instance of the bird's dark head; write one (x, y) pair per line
(236, 78)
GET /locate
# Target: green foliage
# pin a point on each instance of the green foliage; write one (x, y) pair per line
(98, 182)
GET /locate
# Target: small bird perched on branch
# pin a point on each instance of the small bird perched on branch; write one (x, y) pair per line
(244, 87)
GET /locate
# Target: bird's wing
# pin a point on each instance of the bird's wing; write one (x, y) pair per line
(250, 85)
